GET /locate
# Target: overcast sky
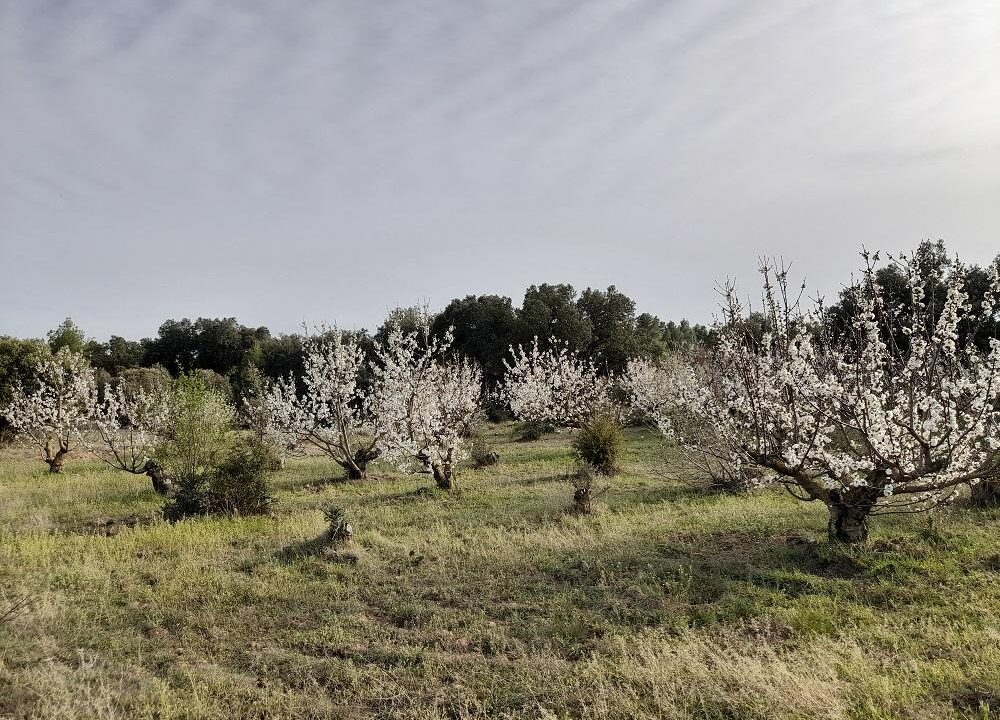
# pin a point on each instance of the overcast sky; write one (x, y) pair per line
(330, 159)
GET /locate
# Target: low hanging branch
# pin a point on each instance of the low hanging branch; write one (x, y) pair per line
(128, 422)
(892, 416)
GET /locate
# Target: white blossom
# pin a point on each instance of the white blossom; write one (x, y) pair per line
(53, 414)
(128, 422)
(331, 414)
(863, 422)
(554, 386)
(425, 402)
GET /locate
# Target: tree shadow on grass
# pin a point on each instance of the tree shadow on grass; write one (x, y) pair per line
(319, 547)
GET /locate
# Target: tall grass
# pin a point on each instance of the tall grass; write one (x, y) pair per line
(498, 602)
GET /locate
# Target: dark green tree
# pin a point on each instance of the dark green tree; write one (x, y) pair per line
(551, 311)
(484, 328)
(613, 340)
(67, 335)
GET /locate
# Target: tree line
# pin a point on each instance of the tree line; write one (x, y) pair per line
(601, 325)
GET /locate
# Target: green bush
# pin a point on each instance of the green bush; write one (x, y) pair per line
(600, 443)
(531, 430)
(237, 486)
(483, 454)
(197, 432)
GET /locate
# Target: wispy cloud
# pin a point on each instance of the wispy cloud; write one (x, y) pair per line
(316, 160)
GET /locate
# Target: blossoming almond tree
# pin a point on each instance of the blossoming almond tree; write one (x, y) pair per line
(553, 386)
(128, 422)
(53, 414)
(331, 414)
(864, 424)
(425, 402)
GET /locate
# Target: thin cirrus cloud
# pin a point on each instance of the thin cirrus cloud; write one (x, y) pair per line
(328, 160)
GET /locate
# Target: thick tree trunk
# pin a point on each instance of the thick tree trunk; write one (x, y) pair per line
(444, 478)
(986, 494)
(848, 524)
(357, 467)
(161, 483)
(849, 511)
(355, 471)
(56, 461)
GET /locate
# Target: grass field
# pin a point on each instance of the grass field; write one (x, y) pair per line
(666, 603)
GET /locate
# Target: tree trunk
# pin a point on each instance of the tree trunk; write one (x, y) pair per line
(355, 471)
(443, 476)
(357, 467)
(986, 494)
(849, 513)
(161, 483)
(848, 524)
(56, 461)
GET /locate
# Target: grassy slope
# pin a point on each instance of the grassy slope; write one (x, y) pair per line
(665, 603)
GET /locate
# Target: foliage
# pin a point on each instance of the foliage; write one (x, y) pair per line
(857, 421)
(931, 263)
(554, 386)
(612, 317)
(53, 414)
(412, 320)
(600, 443)
(236, 486)
(551, 313)
(19, 363)
(196, 431)
(68, 336)
(116, 356)
(218, 344)
(483, 327)
(153, 379)
(532, 430)
(482, 453)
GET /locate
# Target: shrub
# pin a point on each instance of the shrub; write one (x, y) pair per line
(583, 485)
(237, 486)
(196, 434)
(600, 443)
(532, 430)
(483, 454)
(339, 530)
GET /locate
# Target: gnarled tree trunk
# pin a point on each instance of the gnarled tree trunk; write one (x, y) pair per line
(161, 483)
(357, 466)
(849, 513)
(444, 477)
(986, 494)
(55, 461)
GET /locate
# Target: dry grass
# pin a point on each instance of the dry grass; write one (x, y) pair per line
(497, 603)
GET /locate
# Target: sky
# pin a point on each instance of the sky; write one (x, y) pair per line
(327, 160)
